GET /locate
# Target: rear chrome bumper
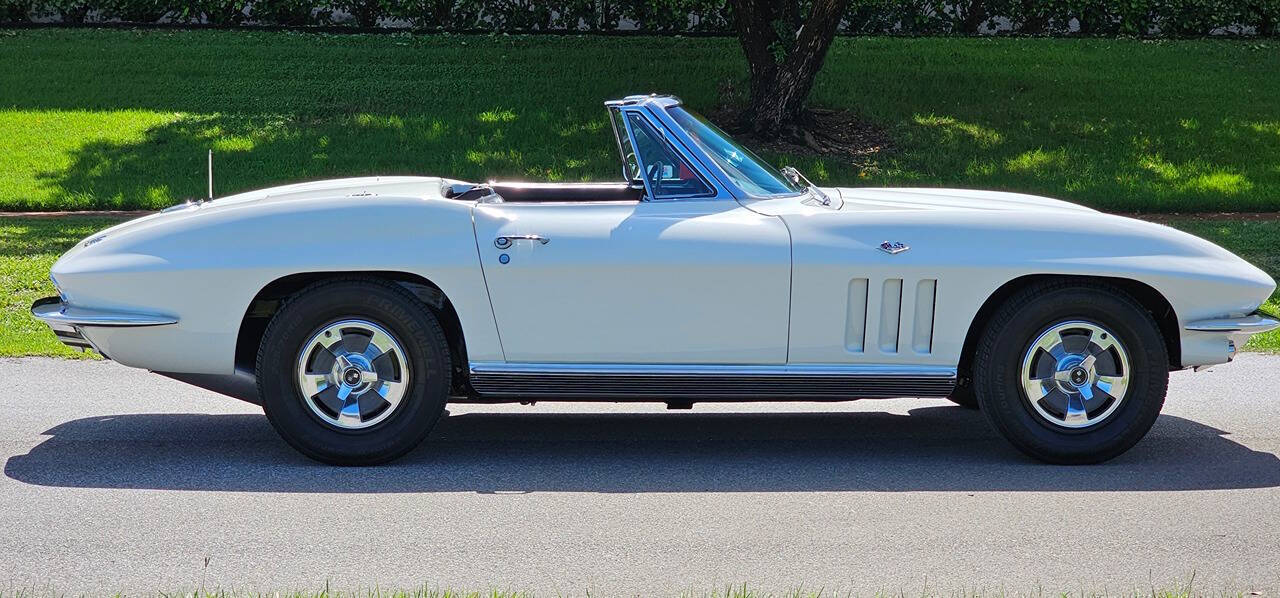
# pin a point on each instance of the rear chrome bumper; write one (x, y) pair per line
(66, 321)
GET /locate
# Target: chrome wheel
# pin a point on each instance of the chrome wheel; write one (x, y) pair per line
(352, 374)
(1075, 374)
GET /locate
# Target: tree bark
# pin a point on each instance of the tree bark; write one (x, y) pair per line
(1034, 21)
(784, 50)
(972, 15)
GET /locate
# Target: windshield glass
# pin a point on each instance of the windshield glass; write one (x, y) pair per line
(749, 172)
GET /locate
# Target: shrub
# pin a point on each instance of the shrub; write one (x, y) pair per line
(289, 13)
(16, 11)
(436, 14)
(67, 11)
(137, 11)
(1263, 16)
(913, 17)
(366, 13)
(678, 15)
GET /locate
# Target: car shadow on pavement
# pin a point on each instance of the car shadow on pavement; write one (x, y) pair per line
(936, 448)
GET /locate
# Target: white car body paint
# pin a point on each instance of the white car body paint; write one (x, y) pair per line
(973, 242)
(647, 282)
(760, 288)
(204, 264)
(638, 282)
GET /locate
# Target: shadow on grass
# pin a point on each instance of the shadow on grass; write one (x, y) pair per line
(1116, 124)
(31, 237)
(1116, 166)
(1173, 164)
(932, 449)
(250, 152)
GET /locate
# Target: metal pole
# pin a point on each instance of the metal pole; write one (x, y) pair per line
(210, 175)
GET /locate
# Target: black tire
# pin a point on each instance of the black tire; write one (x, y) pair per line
(964, 396)
(1011, 332)
(410, 322)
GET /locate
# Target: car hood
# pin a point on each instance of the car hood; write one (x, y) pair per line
(880, 199)
(950, 229)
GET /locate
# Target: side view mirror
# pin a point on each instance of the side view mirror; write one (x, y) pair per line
(793, 175)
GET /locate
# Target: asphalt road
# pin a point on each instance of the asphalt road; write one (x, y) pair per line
(117, 479)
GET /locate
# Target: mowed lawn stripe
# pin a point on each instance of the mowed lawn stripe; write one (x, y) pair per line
(119, 119)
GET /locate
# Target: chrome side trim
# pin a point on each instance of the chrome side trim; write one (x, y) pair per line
(53, 311)
(1250, 324)
(610, 381)
(852, 370)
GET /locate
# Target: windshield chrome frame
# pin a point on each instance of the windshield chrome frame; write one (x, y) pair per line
(617, 139)
(660, 105)
(695, 161)
(654, 108)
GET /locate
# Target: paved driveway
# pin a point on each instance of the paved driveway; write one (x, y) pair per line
(117, 479)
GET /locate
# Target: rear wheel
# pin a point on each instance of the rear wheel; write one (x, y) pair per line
(354, 371)
(1071, 373)
(964, 396)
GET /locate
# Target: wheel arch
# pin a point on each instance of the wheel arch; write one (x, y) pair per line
(1146, 296)
(269, 298)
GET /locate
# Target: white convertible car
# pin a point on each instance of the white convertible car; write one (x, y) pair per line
(363, 306)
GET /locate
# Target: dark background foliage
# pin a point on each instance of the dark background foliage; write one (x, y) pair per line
(911, 17)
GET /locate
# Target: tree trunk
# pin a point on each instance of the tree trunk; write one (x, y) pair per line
(1266, 26)
(785, 51)
(972, 15)
(1034, 19)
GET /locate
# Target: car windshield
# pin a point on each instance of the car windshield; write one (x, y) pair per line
(748, 171)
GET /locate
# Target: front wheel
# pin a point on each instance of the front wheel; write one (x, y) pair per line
(354, 371)
(1071, 373)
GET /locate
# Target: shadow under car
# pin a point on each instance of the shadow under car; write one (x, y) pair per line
(934, 448)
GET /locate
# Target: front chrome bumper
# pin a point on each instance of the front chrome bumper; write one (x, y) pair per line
(66, 321)
(1216, 340)
(1250, 324)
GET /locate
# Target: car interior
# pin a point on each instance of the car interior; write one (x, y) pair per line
(543, 192)
(517, 192)
(665, 173)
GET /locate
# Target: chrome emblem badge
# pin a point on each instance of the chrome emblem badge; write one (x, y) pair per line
(894, 247)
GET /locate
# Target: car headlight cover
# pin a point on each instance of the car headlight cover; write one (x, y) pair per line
(61, 295)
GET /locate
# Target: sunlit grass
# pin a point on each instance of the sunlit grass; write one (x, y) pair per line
(107, 119)
(955, 131)
(28, 248)
(37, 146)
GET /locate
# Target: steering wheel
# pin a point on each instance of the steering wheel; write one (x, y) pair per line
(630, 167)
(656, 181)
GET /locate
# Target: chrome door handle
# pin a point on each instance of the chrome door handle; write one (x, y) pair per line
(505, 241)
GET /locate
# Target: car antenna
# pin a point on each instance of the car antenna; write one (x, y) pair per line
(210, 175)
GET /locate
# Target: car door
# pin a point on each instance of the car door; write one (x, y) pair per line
(685, 276)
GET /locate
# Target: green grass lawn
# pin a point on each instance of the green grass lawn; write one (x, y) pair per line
(29, 246)
(122, 119)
